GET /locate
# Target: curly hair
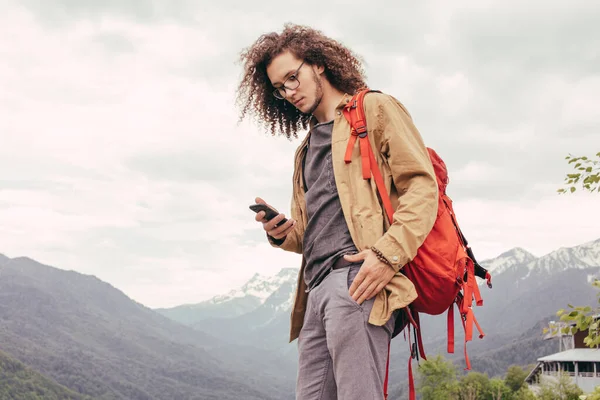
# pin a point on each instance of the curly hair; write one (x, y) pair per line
(343, 69)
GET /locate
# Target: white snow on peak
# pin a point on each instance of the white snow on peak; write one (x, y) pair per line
(586, 255)
(583, 256)
(287, 305)
(259, 286)
(505, 261)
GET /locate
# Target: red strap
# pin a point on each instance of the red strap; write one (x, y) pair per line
(467, 362)
(478, 299)
(411, 382)
(354, 113)
(469, 325)
(365, 149)
(348, 156)
(385, 198)
(481, 334)
(451, 329)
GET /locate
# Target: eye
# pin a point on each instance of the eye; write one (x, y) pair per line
(292, 78)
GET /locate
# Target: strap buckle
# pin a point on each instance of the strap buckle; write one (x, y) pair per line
(361, 131)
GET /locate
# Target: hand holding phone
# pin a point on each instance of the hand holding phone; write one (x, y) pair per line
(274, 223)
(270, 212)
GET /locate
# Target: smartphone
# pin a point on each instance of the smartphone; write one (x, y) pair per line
(269, 212)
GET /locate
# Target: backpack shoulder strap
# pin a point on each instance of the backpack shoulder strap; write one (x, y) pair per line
(355, 114)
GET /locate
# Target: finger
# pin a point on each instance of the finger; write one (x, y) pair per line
(368, 293)
(260, 216)
(258, 200)
(283, 230)
(357, 283)
(357, 257)
(271, 225)
(378, 289)
(361, 289)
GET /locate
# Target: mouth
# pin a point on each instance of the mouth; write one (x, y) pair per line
(297, 102)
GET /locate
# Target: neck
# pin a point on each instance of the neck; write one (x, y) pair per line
(331, 99)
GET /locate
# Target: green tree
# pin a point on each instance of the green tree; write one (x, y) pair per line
(581, 319)
(515, 377)
(473, 386)
(562, 388)
(587, 174)
(524, 394)
(437, 379)
(498, 390)
(595, 395)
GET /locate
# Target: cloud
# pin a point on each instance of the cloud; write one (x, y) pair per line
(122, 155)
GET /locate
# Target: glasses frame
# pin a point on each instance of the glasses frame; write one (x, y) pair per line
(277, 92)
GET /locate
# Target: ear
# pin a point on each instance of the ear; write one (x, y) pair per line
(320, 69)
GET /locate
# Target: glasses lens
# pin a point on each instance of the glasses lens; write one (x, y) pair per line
(292, 84)
(279, 93)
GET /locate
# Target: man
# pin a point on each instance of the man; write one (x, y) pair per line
(350, 289)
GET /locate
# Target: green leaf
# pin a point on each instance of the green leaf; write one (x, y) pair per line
(572, 189)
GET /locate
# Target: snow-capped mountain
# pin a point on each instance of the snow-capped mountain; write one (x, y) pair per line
(266, 325)
(518, 260)
(259, 286)
(579, 257)
(252, 295)
(508, 260)
(526, 289)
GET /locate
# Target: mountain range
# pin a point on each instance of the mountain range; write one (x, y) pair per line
(69, 334)
(527, 291)
(86, 335)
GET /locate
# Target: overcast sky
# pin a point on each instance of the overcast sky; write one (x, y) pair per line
(121, 155)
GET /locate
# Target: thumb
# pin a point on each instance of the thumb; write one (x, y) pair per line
(258, 200)
(355, 257)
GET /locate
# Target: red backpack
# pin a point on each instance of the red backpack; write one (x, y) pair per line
(444, 269)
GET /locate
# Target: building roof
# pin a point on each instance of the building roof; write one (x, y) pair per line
(589, 355)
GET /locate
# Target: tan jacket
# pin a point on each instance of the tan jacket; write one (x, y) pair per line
(410, 181)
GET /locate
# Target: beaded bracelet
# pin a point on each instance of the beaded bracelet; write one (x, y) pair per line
(380, 256)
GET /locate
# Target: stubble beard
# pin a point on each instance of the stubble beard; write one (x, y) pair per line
(318, 94)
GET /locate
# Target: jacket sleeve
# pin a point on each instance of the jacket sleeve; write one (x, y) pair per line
(413, 176)
(293, 241)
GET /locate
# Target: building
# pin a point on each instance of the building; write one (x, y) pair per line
(574, 359)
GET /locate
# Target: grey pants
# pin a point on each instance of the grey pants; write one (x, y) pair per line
(341, 355)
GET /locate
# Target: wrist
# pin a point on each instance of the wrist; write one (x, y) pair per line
(380, 256)
(276, 242)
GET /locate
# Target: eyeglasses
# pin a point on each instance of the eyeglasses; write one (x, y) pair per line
(291, 83)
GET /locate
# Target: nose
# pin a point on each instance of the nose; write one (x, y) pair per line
(290, 93)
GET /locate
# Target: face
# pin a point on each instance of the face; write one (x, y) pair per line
(307, 96)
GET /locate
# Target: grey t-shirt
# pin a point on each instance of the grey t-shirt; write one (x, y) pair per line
(326, 236)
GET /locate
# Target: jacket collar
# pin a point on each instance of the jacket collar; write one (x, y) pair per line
(345, 100)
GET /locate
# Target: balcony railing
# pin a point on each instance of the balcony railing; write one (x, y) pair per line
(568, 373)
